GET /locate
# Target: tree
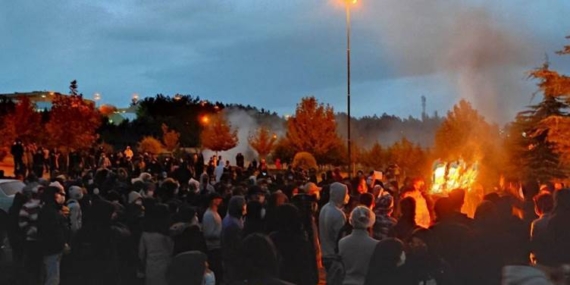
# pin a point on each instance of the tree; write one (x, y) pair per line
(375, 157)
(304, 160)
(465, 134)
(262, 141)
(23, 122)
(556, 126)
(531, 154)
(218, 134)
(283, 150)
(313, 129)
(169, 138)
(410, 157)
(73, 122)
(73, 88)
(150, 145)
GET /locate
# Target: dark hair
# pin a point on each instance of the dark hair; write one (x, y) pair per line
(386, 254)
(186, 213)
(544, 202)
(408, 207)
(562, 201)
(288, 219)
(366, 199)
(259, 257)
(157, 219)
(443, 208)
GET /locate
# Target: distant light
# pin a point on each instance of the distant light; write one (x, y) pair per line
(43, 95)
(111, 121)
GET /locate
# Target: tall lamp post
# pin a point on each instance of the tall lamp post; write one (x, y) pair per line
(349, 142)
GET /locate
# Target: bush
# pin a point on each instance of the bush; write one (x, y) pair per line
(150, 145)
(304, 160)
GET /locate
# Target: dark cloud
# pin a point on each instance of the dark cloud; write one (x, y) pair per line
(272, 53)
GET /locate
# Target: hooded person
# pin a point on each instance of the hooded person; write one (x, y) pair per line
(297, 257)
(231, 238)
(385, 223)
(356, 248)
(75, 213)
(331, 220)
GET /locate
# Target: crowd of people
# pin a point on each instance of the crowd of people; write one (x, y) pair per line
(130, 219)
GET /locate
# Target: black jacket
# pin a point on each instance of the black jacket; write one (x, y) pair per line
(52, 229)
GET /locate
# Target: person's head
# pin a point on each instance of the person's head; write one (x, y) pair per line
(237, 207)
(187, 214)
(530, 189)
(256, 193)
(443, 208)
(367, 200)
(408, 207)
(419, 242)
(312, 189)
(485, 215)
(418, 184)
(76, 193)
(254, 210)
(457, 198)
(339, 194)
(543, 203)
(277, 199)
(362, 218)
(157, 218)
(288, 219)
(562, 201)
(385, 204)
(215, 199)
(135, 198)
(53, 196)
(388, 255)
(259, 257)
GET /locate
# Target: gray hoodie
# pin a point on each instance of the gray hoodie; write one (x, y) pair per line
(332, 219)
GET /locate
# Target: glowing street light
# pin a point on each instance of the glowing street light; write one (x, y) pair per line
(135, 98)
(204, 120)
(96, 97)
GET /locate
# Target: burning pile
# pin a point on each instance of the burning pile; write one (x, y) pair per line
(452, 175)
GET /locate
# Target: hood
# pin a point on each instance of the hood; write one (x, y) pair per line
(75, 192)
(338, 193)
(235, 206)
(524, 275)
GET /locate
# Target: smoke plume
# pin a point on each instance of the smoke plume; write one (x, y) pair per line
(483, 59)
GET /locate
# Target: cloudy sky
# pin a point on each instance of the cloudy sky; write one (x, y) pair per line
(271, 53)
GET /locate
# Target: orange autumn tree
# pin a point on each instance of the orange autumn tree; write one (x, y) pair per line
(313, 129)
(73, 122)
(218, 134)
(24, 123)
(262, 141)
(170, 138)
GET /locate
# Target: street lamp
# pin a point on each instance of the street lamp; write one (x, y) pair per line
(348, 3)
(96, 97)
(135, 98)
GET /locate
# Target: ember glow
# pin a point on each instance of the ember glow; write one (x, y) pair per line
(452, 175)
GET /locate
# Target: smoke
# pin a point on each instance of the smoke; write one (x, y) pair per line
(246, 123)
(482, 58)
